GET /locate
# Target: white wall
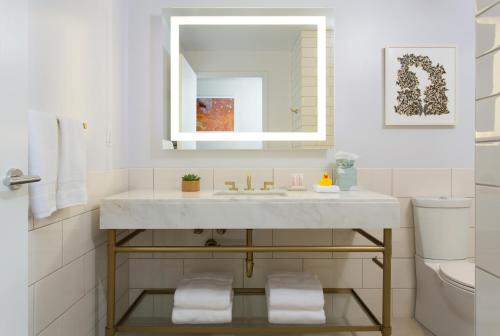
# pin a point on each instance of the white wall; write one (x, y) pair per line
(75, 70)
(247, 94)
(363, 29)
(487, 169)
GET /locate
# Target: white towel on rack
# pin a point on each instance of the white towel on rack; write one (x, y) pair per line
(281, 316)
(294, 291)
(72, 175)
(203, 294)
(201, 316)
(42, 161)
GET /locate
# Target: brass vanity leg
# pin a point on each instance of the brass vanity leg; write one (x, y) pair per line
(110, 317)
(249, 260)
(386, 305)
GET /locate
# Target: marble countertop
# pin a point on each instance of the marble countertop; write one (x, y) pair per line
(149, 209)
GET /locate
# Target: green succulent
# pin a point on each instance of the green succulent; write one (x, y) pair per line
(190, 177)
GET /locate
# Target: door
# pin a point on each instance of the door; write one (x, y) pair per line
(13, 154)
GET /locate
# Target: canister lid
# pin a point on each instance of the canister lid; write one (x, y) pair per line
(442, 202)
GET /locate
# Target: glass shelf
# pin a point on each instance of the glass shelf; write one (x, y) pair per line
(151, 313)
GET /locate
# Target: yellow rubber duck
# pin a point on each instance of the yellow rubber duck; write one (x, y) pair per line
(326, 180)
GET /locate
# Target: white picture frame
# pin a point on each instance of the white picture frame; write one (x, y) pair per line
(426, 93)
(178, 135)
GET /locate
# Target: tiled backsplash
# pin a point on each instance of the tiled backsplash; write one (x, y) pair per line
(337, 270)
(67, 265)
(68, 252)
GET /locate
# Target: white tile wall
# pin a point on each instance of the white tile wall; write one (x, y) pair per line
(238, 237)
(488, 163)
(487, 169)
(403, 273)
(422, 182)
(263, 267)
(31, 310)
(486, 30)
(302, 237)
(81, 234)
(155, 273)
(379, 180)
(487, 303)
(170, 178)
(341, 273)
(488, 229)
(403, 302)
(45, 251)
(57, 292)
(161, 270)
(462, 183)
(406, 211)
(181, 238)
(140, 178)
(67, 264)
(487, 82)
(234, 266)
(488, 118)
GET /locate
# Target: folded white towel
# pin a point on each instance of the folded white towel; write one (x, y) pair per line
(203, 294)
(72, 175)
(279, 316)
(221, 276)
(294, 291)
(42, 161)
(201, 316)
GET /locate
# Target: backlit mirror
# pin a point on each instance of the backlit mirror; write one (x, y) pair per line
(250, 82)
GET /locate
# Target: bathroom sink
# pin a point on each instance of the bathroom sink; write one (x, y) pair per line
(250, 193)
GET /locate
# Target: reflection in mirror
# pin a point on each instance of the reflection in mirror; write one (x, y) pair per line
(251, 78)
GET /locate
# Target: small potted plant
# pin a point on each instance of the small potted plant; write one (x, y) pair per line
(190, 182)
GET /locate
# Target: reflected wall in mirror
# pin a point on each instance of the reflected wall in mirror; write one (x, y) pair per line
(253, 81)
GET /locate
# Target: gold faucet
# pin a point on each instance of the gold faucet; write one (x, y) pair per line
(231, 185)
(268, 185)
(249, 183)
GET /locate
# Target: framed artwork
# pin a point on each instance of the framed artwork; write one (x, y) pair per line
(420, 86)
(214, 114)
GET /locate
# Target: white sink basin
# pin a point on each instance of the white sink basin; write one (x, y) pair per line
(250, 193)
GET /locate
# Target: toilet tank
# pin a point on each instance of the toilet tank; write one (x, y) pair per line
(442, 227)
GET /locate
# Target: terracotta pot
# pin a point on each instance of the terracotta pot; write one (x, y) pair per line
(190, 186)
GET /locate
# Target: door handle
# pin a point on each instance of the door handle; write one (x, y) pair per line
(15, 179)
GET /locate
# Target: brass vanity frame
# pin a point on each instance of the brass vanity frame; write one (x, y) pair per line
(385, 247)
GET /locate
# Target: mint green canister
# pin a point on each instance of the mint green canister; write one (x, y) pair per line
(346, 173)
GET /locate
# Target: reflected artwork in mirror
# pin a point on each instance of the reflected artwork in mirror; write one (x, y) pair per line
(251, 82)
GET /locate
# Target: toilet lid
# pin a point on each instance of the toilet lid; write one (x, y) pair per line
(461, 273)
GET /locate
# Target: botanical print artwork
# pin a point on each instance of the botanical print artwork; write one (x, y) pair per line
(214, 114)
(420, 86)
(409, 97)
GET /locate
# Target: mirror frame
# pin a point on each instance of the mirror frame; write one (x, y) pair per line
(178, 135)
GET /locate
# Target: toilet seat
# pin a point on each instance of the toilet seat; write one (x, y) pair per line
(460, 274)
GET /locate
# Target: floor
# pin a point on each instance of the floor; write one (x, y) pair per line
(401, 327)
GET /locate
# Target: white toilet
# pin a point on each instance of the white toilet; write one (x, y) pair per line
(445, 279)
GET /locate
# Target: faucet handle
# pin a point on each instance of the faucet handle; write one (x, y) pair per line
(231, 185)
(267, 185)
